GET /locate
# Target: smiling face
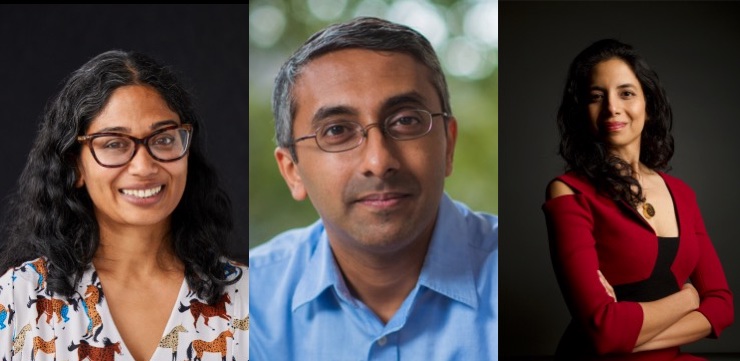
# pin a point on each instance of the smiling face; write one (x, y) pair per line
(616, 106)
(143, 192)
(383, 195)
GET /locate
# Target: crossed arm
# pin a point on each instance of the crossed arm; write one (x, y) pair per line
(669, 321)
(694, 312)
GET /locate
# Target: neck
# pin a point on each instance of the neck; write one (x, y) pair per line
(629, 154)
(135, 252)
(383, 280)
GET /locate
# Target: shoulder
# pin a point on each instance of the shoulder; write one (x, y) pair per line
(285, 246)
(478, 216)
(569, 183)
(235, 272)
(26, 280)
(30, 272)
(237, 287)
(676, 185)
(481, 227)
(557, 188)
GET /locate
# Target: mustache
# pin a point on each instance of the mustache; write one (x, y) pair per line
(359, 187)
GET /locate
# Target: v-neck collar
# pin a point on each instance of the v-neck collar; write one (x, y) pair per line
(676, 207)
(110, 329)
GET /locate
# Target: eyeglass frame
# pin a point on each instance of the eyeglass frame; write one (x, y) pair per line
(88, 138)
(365, 129)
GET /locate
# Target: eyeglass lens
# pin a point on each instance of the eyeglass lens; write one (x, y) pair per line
(344, 135)
(112, 150)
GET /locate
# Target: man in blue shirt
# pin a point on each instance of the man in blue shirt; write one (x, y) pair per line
(394, 269)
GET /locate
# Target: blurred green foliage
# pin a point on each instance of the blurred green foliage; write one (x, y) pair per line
(474, 102)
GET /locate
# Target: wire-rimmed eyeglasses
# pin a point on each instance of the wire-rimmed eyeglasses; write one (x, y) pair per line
(344, 135)
(115, 149)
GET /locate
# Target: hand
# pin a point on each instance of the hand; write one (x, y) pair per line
(607, 286)
(689, 289)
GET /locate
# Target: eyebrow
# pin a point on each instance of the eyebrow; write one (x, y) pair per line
(155, 126)
(623, 86)
(410, 98)
(330, 111)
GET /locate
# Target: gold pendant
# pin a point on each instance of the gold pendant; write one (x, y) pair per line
(648, 210)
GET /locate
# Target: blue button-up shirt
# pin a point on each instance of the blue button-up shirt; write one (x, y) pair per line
(301, 308)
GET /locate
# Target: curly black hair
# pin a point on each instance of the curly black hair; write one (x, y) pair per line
(51, 218)
(588, 155)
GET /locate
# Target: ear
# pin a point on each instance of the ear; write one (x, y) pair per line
(291, 174)
(451, 139)
(79, 178)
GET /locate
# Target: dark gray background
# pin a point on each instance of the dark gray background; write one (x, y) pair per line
(693, 46)
(207, 45)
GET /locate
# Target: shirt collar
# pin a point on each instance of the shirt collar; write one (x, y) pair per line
(321, 272)
(446, 269)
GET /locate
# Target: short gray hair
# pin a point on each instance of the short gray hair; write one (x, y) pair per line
(363, 33)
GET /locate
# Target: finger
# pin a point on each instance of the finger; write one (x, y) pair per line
(607, 286)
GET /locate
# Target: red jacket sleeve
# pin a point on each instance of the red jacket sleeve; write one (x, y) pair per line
(709, 279)
(612, 326)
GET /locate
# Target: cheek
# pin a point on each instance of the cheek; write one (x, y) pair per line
(179, 173)
(99, 184)
(325, 175)
(593, 111)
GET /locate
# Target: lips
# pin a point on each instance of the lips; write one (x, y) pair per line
(383, 200)
(614, 126)
(142, 192)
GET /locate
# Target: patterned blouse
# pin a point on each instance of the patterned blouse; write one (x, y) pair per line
(38, 326)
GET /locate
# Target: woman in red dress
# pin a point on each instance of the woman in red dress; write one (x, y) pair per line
(631, 254)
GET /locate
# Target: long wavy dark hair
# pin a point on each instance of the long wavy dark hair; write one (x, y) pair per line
(49, 217)
(588, 155)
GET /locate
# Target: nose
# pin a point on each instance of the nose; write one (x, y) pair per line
(613, 106)
(378, 157)
(142, 164)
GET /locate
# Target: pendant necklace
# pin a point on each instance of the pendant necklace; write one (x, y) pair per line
(648, 210)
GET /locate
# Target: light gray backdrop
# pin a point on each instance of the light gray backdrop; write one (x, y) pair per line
(693, 46)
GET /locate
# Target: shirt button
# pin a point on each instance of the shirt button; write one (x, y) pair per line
(382, 341)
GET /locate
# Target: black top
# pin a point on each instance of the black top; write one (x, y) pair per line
(661, 282)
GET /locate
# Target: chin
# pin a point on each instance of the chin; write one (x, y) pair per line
(386, 239)
(145, 220)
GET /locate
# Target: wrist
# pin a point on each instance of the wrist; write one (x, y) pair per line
(691, 299)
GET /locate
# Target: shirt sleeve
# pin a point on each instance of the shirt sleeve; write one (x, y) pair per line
(7, 311)
(613, 327)
(240, 318)
(709, 279)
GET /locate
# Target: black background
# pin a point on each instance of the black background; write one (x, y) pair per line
(206, 45)
(693, 46)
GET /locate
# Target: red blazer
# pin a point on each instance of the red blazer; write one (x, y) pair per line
(589, 232)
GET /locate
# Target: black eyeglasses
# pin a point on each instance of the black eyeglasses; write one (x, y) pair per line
(115, 149)
(343, 135)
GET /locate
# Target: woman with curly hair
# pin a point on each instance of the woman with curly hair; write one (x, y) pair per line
(633, 260)
(117, 232)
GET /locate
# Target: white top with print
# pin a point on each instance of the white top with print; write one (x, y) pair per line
(38, 326)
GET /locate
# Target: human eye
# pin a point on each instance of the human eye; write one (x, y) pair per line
(335, 133)
(112, 144)
(407, 123)
(595, 97)
(628, 93)
(335, 129)
(163, 140)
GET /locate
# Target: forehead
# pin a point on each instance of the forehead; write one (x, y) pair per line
(614, 72)
(361, 79)
(133, 106)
